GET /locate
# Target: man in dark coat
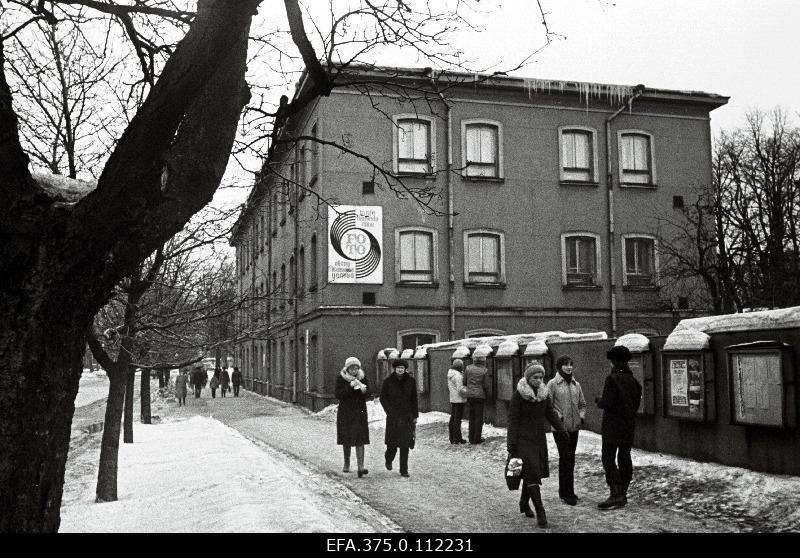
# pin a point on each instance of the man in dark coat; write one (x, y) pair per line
(236, 380)
(622, 394)
(399, 400)
(199, 379)
(477, 382)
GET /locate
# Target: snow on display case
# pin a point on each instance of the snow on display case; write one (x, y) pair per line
(641, 364)
(688, 374)
(506, 367)
(537, 352)
(761, 383)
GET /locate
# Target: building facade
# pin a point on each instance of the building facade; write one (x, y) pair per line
(414, 207)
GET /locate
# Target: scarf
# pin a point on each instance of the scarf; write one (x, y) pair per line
(567, 377)
(526, 391)
(354, 381)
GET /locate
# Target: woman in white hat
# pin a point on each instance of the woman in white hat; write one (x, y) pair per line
(351, 419)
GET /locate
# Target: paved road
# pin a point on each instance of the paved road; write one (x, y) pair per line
(451, 489)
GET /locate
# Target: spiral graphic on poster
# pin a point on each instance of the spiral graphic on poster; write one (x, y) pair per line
(366, 264)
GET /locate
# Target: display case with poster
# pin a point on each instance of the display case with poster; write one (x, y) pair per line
(688, 385)
(762, 385)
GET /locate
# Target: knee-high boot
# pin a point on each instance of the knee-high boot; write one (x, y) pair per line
(524, 505)
(536, 496)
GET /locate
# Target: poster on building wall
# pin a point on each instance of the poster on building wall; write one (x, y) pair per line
(355, 244)
(757, 388)
(679, 384)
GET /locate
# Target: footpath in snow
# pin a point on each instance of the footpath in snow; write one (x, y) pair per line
(255, 464)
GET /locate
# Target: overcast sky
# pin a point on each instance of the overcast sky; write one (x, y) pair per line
(738, 48)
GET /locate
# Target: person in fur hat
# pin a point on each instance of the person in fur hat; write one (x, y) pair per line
(529, 407)
(622, 394)
(351, 419)
(399, 400)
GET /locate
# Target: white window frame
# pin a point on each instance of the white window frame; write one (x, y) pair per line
(501, 254)
(651, 142)
(396, 143)
(597, 262)
(434, 254)
(628, 236)
(594, 176)
(499, 138)
(417, 330)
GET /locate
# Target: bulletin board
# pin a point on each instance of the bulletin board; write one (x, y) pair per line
(504, 371)
(688, 386)
(761, 382)
(420, 367)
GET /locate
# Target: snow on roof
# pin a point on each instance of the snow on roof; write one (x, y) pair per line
(520, 339)
(482, 349)
(536, 348)
(507, 348)
(686, 340)
(392, 353)
(407, 353)
(462, 351)
(635, 342)
(62, 188)
(421, 352)
(782, 318)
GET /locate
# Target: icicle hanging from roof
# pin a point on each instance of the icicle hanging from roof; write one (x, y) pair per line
(586, 90)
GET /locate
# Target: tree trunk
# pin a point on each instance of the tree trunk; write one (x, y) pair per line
(109, 449)
(166, 377)
(144, 394)
(160, 375)
(130, 383)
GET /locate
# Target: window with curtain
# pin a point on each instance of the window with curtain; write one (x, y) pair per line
(484, 258)
(577, 157)
(482, 150)
(416, 256)
(581, 260)
(413, 146)
(636, 158)
(639, 261)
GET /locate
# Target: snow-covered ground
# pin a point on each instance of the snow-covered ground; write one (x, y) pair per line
(198, 475)
(93, 387)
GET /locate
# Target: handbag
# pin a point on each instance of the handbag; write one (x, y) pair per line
(513, 472)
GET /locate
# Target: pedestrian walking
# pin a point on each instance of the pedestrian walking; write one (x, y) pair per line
(199, 379)
(476, 379)
(180, 387)
(458, 399)
(352, 427)
(622, 394)
(214, 383)
(224, 381)
(529, 407)
(236, 380)
(570, 405)
(399, 400)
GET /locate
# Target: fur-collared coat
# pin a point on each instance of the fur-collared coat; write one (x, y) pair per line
(399, 400)
(526, 430)
(352, 428)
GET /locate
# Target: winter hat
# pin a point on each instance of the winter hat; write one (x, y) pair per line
(620, 353)
(533, 369)
(399, 362)
(458, 364)
(351, 361)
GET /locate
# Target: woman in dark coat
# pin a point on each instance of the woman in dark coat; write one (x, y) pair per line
(399, 400)
(199, 379)
(529, 407)
(224, 381)
(351, 419)
(236, 380)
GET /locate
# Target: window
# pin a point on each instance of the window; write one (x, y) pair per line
(313, 158)
(283, 287)
(415, 255)
(261, 233)
(482, 148)
(578, 155)
(483, 257)
(301, 272)
(414, 137)
(580, 259)
(636, 158)
(312, 272)
(292, 275)
(413, 338)
(640, 260)
(273, 207)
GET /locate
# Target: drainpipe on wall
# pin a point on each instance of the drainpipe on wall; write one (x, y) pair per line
(638, 90)
(295, 298)
(451, 280)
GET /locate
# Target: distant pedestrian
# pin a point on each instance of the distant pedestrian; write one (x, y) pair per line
(236, 380)
(199, 379)
(529, 407)
(352, 428)
(399, 400)
(622, 394)
(476, 379)
(458, 398)
(567, 397)
(224, 381)
(214, 383)
(180, 387)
